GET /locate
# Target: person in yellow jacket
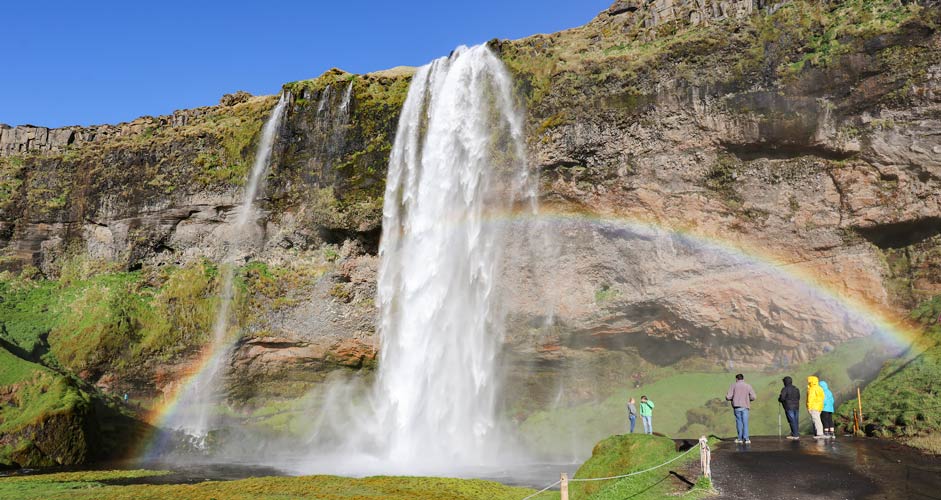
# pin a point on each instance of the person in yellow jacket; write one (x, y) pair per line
(815, 399)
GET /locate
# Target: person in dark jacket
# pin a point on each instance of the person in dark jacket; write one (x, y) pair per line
(790, 399)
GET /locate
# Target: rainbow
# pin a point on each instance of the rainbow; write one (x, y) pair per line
(164, 408)
(883, 321)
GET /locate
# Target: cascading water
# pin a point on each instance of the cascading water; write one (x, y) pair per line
(195, 406)
(458, 159)
(441, 324)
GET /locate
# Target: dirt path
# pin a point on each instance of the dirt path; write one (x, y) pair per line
(846, 468)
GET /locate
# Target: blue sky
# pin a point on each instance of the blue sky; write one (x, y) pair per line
(80, 63)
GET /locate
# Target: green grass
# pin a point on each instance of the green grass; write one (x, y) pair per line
(624, 454)
(33, 393)
(96, 318)
(904, 401)
(89, 486)
(691, 404)
(613, 456)
(24, 312)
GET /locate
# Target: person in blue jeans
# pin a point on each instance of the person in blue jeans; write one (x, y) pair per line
(632, 413)
(790, 399)
(646, 414)
(741, 395)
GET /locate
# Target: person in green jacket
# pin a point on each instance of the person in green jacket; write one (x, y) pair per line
(646, 414)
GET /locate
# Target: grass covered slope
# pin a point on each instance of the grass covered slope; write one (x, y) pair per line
(99, 324)
(43, 416)
(93, 486)
(904, 401)
(623, 454)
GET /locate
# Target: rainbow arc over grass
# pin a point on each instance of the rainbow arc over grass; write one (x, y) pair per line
(880, 319)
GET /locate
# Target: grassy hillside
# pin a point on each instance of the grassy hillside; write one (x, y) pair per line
(904, 401)
(59, 336)
(31, 398)
(693, 404)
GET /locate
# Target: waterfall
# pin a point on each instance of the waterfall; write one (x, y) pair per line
(458, 160)
(195, 406)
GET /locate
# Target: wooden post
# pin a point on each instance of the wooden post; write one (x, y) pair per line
(564, 487)
(859, 399)
(855, 423)
(705, 457)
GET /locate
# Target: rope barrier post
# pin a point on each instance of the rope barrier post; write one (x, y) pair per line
(564, 487)
(705, 457)
(859, 400)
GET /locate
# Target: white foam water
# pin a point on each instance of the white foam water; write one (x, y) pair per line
(457, 160)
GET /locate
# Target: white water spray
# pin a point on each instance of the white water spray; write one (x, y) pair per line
(196, 404)
(458, 159)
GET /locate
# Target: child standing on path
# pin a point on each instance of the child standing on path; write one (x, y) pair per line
(632, 413)
(646, 414)
(826, 416)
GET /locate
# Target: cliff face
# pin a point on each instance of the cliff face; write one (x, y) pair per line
(804, 135)
(700, 160)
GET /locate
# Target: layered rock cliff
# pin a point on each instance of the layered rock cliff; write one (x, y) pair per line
(706, 169)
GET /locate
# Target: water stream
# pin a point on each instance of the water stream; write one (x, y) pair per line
(196, 405)
(457, 160)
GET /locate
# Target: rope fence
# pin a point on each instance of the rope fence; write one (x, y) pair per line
(705, 457)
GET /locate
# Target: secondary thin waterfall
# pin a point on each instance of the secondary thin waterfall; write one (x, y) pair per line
(458, 160)
(195, 408)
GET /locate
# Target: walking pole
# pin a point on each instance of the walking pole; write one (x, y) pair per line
(779, 424)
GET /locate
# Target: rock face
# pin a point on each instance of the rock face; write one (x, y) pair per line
(627, 15)
(29, 138)
(717, 180)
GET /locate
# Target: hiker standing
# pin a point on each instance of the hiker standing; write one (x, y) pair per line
(741, 395)
(790, 399)
(815, 397)
(646, 414)
(826, 416)
(632, 413)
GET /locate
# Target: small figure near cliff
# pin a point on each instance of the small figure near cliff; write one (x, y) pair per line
(815, 397)
(741, 395)
(826, 416)
(646, 414)
(632, 413)
(790, 399)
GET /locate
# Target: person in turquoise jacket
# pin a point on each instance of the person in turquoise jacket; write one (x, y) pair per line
(826, 416)
(646, 414)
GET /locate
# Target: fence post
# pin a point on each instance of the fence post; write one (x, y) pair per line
(564, 487)
(859, 399)
(705, 457)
